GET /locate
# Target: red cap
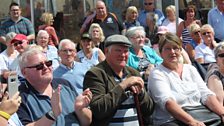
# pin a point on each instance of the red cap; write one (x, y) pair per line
(19, 37)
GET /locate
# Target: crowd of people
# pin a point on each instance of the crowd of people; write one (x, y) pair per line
(137, 72)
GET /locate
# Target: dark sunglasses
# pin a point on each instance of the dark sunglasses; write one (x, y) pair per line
(41, 65)
(196, 32)
(206, 33)
(18, 43)
(221, 55)
(148, 3)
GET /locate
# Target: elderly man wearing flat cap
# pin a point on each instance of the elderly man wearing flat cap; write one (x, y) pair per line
(113, 85)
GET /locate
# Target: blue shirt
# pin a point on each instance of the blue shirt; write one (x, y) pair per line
(52, 54)
(128, 25)
(142, 17)
(35, 105)
(216, 20)
(75, 75)
(152, 56)
(23, 26)
(89, 62)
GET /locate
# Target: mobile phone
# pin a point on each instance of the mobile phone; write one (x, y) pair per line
(12, 85)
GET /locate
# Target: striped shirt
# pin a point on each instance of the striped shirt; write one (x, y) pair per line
(126, 114)
(186, 36)
(23, 26)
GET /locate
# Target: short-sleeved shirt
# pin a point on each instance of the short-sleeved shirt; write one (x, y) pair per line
(203, 51)
(52, 54)
(35, 105)
(215, 19)
(142, 17)
(110, 25)
(23, 26)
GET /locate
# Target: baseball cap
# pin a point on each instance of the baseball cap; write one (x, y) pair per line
(162, 30)
(117, 39)
(85, 36)
(19, 37)
(10, 36)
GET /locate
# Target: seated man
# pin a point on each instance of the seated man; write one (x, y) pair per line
(69, 69)
(47, 101)
(113, 85)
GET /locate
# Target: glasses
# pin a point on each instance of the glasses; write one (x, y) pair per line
(221, 55)
(148, 4)
(18, 43)
(206, 33)
(176, 49)
(138, 37)
(15, 10)
(41, 65)
(68, 50)
(196, 32)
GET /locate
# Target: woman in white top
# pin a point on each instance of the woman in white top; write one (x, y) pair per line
(170, 21)
(174, 85)
(89, 54)
(204, 52)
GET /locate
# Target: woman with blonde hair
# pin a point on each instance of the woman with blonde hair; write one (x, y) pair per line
(131, 17)
(170, 21)
(47, 19)
(97, 35)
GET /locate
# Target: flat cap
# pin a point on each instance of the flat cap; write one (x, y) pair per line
(117, 39)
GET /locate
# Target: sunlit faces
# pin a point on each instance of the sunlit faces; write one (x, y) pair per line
(20, 46)
(43, 39)
(100, 9)
(133, 15)
(138, 40)
(95, 33)
(15, 12)
(149, 5)
(117, 55)
(171, 53)
(170, 15)
(207, 36)
(36, 75)
(190, 13)
(220, 58)
(67, 53)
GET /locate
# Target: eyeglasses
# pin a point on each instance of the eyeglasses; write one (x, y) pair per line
(68, 50)
(176, 49)
(148, 4)
(221, 55)
(196, 32)
(206, 33)
(15, 10)
(41, 65)
(138, 37)
(18, 43)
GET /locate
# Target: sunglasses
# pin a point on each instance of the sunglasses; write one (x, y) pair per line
(41, 65)
(221, 55)
(206, 33)
(196, 32)
(148, 4)
(18, 43)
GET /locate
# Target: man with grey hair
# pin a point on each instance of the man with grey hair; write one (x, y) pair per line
(69, 69)
(113, 85)
(46, 100)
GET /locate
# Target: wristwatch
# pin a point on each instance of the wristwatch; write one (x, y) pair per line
(50, 115)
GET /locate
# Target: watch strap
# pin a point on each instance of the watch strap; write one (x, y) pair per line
(50, 115)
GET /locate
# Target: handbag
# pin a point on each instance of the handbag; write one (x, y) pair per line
(203, 114)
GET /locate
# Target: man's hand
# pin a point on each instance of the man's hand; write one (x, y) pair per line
(135, 84)
(56, 102)
(83, 100)
(11, 105)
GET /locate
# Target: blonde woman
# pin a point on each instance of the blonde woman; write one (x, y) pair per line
(131, 17)
(47, 19)
(97, 35)
(170, 21)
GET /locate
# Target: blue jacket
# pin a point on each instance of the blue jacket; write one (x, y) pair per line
(152, 56)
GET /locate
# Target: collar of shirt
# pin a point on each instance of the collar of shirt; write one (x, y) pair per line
(66, 67)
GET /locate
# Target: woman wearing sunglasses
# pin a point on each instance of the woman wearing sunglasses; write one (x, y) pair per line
(204, 52)
(215, 79)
